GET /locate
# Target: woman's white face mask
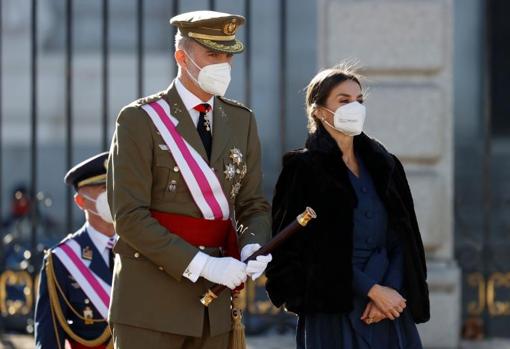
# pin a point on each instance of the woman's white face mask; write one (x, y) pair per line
(213, 78)
(102, 207)
(348, 119)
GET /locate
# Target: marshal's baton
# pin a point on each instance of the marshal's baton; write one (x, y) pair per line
(299, 223)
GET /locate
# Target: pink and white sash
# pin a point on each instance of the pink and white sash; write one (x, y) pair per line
(203, 184)
(95, 288)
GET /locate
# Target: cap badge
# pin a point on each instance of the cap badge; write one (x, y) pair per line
(230, 28)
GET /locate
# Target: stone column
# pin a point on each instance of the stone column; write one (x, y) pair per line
(406, 51)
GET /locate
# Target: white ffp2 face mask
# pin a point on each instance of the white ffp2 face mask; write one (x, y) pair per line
(102, 207)
(349, 119)
(213, 78)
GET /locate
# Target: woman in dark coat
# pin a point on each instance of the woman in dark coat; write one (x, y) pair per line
(356, 275)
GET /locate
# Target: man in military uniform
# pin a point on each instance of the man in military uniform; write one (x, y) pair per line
(181, 163)
(76, 277)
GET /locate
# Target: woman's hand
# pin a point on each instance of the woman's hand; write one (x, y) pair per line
(389, 301)
(372, 314)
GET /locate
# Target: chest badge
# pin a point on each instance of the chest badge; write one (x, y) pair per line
(176, 109)
(172, 187)
(88, 315)
(86, 253)
(222, 112)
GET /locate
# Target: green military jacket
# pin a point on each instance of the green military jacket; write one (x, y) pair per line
(149, 289)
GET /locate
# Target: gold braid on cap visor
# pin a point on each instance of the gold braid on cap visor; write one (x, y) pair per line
(92, 180)
(211, 37)
(220, 47)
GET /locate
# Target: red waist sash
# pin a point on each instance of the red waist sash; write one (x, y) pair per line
(202, 232)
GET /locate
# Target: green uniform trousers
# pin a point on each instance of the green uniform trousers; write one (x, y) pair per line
(130, 337)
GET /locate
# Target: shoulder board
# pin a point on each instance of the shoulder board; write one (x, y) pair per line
(67, 238)
(149, 99)
(64, 240)
(234, 103)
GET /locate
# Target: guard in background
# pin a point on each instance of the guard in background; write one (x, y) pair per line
(76, 277)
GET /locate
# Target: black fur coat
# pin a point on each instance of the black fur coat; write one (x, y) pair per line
(312, 271)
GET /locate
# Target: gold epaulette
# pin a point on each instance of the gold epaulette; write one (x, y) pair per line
(234, 103)
(57, 315)
(149, 99)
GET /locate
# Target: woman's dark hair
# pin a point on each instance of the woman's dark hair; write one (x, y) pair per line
(318, 90)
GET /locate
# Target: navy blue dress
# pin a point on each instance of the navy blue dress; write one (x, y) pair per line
(377, 259)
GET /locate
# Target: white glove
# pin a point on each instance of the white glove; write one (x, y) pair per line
(255, 268)
(248, 250)
(226, 271)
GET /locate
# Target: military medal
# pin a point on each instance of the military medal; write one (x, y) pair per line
(88, 315)
(235, 171)
(244, 170)
(235, 190)
(207, 124)
(230, 172)
(172, 186)
(236, 156)
(86, 253)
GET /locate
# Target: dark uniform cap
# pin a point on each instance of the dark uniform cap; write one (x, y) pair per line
(88, 172)
(211, 29)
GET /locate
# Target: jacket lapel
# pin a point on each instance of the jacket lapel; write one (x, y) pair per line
(186, 127)
(380, 164)
(328, 158)
(221, 130)
(97, 263)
